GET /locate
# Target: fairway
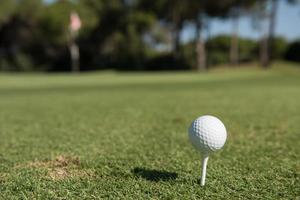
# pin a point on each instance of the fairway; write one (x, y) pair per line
(111, 135)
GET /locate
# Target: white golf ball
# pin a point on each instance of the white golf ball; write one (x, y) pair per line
(207, 134)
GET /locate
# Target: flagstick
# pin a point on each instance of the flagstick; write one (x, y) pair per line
(204, 164)
(74, 27)
(74, 50)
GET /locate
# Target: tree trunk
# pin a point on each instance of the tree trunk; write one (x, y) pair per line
(234, 46)
(176, 34)
(264, 53)
(176, 41)
(200, 47)
(272, 25)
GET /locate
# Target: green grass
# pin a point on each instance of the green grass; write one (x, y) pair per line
(124, 135)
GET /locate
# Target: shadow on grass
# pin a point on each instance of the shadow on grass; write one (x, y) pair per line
(154, 175)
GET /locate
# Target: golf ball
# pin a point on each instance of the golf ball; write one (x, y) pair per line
(207, 134)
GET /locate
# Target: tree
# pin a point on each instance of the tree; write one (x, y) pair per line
(292, 52)
(135, 25)
(6, 11)
(234, 47)
(203, 10)
(173, 13)
(265, 13)
(237, 9)
(272, 28)
(7, 8)
(117, 40)
(200, 44)
(17, 33)
(197, 13)
(260, 22)
(272, 25)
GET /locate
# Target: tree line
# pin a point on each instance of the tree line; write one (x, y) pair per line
(136, 34)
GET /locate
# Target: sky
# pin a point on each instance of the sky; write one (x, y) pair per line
(288, 25)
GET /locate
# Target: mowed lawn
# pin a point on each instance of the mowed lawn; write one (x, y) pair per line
(110, 135)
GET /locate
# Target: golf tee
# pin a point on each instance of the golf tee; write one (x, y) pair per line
(204, 164)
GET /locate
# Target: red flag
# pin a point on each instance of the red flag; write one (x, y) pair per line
(75, 22)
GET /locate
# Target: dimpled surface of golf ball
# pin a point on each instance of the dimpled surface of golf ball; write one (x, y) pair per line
(207, 133)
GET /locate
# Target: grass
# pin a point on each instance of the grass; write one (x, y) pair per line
(124, 135)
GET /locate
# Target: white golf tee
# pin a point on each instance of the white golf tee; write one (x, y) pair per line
(204, 164)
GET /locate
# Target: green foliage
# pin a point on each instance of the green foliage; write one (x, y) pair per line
(292, 53)
(122, 45)
(18, 34)
(7, 9)
(219, 47)
(29, 9)
(5, 65)
(90, 14)
(55, 22)
(189, 54)
(218, 50)
(124, 135)
(166, 61)
(279, 48)
(23, 62)
(118, 34)
(56, 18)
(247, 50)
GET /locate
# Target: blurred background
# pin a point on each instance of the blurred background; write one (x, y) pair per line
(84, 35)
(83, 115)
